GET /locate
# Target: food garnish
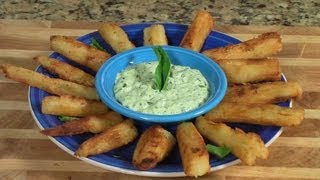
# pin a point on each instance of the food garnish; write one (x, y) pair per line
(94, 43)
(66, 118)
(219, 152)
(163, 68)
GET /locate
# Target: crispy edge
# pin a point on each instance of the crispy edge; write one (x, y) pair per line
(246, 146)
(155, 35)
(114, 35)
(262, 114)
(193, 151)
(93, 123)
(51, 85)
(265, 45)
(79, 52)
(153, 146)
(22, 75)
(112, 138)
(244, 71)
(198, 31)
(72, 106)
(65, 71)
(263, 93)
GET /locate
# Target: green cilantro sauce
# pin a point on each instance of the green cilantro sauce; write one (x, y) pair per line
(187, 89)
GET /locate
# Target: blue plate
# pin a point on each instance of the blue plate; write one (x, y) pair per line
(119, 160)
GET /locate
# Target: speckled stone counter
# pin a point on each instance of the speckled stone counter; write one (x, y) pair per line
(241, 12)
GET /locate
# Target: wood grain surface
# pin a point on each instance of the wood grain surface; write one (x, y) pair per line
(27, 154)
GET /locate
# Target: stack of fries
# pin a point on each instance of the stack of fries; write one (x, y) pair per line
(254, 85)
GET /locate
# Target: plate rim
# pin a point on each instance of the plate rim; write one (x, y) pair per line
(138, 172)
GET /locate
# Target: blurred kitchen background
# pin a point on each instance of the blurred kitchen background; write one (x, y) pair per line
(234, 12)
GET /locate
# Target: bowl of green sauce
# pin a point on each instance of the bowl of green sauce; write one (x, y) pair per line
(166, 84)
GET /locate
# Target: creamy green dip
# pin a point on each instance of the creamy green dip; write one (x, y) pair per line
(187, 89)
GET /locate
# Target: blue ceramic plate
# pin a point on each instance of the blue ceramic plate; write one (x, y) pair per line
(119, 160)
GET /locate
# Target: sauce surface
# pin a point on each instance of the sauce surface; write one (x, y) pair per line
(187, 89)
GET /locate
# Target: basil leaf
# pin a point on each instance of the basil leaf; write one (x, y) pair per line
(158, 72)
(94, 43)
(220, 152)
(66, 118)
(163, 68)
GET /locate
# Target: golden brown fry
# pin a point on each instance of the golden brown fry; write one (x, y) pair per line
(242, 71)
(72, 106)
(51, 85)
(153, 146)
(263, 93)
(65, 71)
(114, 137)
(198, 31)
(155, 35)
(93, 123)
(116, 37)
(263, 114)
(246, 146)
(263, 46)
(193, 151)
(79, 52)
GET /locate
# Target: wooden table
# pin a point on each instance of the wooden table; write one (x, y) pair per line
(26, 154)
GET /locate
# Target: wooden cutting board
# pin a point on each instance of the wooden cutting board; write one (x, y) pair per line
(26, 154)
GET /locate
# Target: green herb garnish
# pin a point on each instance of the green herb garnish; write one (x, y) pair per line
(220, 152)
(163, 68)
(94, 43)
(66, 118)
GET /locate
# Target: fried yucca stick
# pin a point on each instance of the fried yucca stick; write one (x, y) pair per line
(155, 35)
(65, 71)
(242, 71)
(72, 106)
(51, 85)
(198, 31)
(79, 52)
(263, 46)
(263, 93)
(116, 37)
(114, 137)
(153, 146)
(93, 124)
(246, 146)
(262, 114)
(193, 151)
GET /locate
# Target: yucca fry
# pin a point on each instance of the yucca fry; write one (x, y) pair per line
(114, 35)
(153, 146)
(72, 106)
(65, 71)
(263, 46)
(242, 71)
(262, 114)
(93, 124)
(193, 151)
(112, 138)
(263, 93)
(52, 85)
(198, 31)
(79, 52)
(155, 35)
(246, 146)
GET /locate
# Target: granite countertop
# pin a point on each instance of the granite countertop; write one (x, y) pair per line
(235, 12)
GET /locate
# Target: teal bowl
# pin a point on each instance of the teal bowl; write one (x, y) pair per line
(106, 76)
